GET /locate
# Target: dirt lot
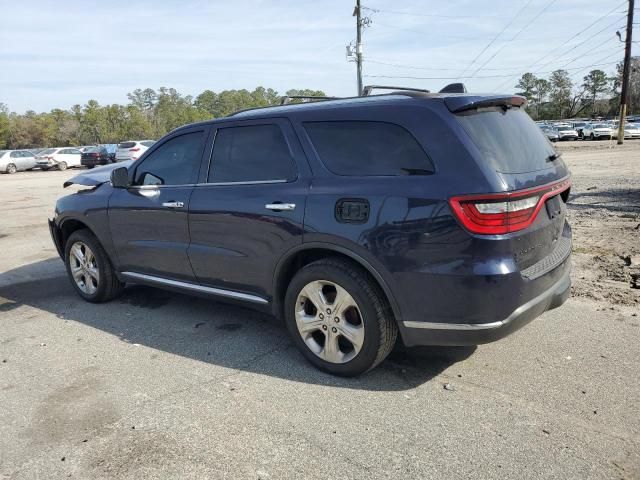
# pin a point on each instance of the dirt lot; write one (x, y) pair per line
(159, 385)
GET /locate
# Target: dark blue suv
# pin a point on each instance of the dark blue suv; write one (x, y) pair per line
(438, 217)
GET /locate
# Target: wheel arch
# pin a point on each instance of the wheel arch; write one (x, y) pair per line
(310, 252)
(70, 225)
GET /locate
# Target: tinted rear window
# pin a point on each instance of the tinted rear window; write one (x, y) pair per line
(95, 150)
(368, 148)
(148, 143)
(508, 140)
(127, 145)
(47, 151)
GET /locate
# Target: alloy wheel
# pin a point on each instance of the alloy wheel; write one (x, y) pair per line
(62, 166)
(11, 168)
(329, 321)
(84, 268)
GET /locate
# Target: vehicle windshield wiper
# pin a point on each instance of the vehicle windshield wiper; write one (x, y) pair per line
(553, 157)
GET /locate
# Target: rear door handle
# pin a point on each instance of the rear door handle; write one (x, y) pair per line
(173, 204)
(278, 207)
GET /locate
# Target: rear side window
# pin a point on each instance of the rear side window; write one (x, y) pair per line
(253, 153)
(175, 162)
(127, 145)
(359, 148)
(508, 140)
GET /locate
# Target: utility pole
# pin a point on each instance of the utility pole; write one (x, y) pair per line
(626, 69)
(357, 14)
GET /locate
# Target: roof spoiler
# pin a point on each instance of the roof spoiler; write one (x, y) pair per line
(366, 91)
(471, 102)
(454, 88)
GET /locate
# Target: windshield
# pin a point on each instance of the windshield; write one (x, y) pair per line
(127, 145)
(509, 140)
(564, 129)
(601, 125)
(47, 151)
(94, 150)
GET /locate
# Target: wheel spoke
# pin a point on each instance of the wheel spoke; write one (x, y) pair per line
(308, 323)
(76, 251)
(353, 333)
(331, 351)
(342, 301)
(93, 271)
(91, 288)
(313, 292)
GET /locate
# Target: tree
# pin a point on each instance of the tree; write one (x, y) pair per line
(4, 125)
(527, 86)
(595, 84)
(560, 91)
(541, 90)
(633, 106)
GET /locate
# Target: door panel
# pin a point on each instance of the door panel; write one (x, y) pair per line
(148, 236)
(236, 240)
(149, 221)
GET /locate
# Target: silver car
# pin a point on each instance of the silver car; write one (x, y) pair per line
(632, 130)
(12, 161)
(550, 133)
(132, 150)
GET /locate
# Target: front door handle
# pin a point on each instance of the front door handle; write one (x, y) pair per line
(173, 204)
(279, 207)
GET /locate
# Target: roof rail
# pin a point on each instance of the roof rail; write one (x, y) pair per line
(287, 98)
(366, 91)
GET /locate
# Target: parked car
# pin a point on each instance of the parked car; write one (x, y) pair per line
(94, 156)
(112, 149)
(60, 158)
(85, 147)
(566, 132)
(132, 150)
(12, 161)
(579, 127)
(550, 133)
(440, 218)
(598, 131)
(631, 130)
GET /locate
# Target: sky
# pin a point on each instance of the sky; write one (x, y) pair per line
(54, 54)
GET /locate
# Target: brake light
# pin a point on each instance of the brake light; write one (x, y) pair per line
(500, 213)
(134, 149)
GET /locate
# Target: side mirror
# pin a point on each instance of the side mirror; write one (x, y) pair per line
(120, 177)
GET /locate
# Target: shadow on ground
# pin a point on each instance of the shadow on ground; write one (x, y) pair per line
(215, 333)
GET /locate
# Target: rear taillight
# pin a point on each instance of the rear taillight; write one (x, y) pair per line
(134, 149)
(499, 213)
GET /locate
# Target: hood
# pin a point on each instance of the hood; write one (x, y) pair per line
(96, 176)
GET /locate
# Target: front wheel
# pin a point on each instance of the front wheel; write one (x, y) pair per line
(11, 168)
(339, 318)
(62, 166)
(89, 268)
(592, 137)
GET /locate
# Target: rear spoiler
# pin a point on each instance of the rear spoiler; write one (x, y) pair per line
(461, 103)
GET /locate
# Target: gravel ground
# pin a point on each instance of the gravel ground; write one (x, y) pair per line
(160, 385)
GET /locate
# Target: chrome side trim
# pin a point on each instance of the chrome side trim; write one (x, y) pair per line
(453, 326)
(197, 288)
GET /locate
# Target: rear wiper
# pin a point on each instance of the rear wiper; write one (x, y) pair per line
(553, 157)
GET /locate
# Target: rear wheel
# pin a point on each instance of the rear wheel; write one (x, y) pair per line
(11, 168)
(89, 268)
(62, 166)
(338, 318)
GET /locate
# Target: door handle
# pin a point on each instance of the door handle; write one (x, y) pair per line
(279, 207)
(173, 204)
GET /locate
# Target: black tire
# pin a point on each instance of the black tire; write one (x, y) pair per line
(108, 285)
(11, 168)
(592, 137)
(377, 318)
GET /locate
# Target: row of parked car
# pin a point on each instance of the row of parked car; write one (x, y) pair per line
(61, 158)
(599, 130)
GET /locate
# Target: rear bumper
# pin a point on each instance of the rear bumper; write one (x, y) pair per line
(428, 333)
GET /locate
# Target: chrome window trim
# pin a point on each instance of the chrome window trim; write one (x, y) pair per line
(198, 288)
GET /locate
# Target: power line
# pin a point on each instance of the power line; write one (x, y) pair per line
(527, 25)
(498, 35)
(434, 15)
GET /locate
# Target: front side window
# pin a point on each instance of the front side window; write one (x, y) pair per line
(253, 153)
(175, 162)
(364, 148)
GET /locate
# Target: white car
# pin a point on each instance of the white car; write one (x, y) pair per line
(598, 131)
(632, 130)
(12, 161)
(132, 150)
(60, 158)
(566, 132)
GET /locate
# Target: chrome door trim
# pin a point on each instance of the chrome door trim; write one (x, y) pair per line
(196, 288)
